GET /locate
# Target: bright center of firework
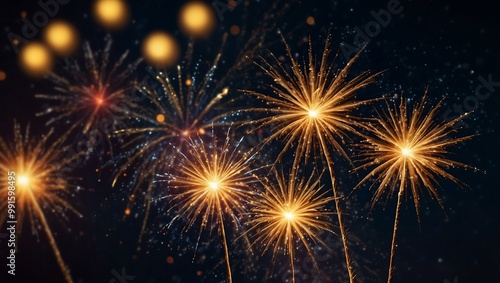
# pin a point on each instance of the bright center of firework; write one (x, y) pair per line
(289, 215)
(23, 180)
(406, 152)
(214, 185)
(313, 113)
(99, 101)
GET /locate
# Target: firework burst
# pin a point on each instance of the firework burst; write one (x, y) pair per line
(39, 175)
(211, 182)
(290, 211)
(311, 109)
(171, 112)
(92, 95)
(407, 150)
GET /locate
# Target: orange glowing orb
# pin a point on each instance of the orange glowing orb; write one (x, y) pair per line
(35, 59)
(61, 37)
(197, 19)
(160, 49)
(160, 118)
(111, 14)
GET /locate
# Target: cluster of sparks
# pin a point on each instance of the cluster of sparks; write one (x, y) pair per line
(92, 95)
(180, 107)
(287, 211)
(213, 181)
(312, 109)
(164, 132)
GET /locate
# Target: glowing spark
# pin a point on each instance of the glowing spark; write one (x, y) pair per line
(289, 211)
(311, 110)
(39, 172)
(289, 215)
(415, 165)
(160, 118)
(212, 182)
(23, 180)
(214, 185)
(313, 113)
(406, 152)
(99, 101)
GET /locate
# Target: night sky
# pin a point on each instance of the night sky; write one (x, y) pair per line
(451, 49)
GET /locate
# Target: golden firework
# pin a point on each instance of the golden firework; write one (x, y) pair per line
(311, 110)
(34, 176)
(212, 182)
(407, 150)
(290, 211)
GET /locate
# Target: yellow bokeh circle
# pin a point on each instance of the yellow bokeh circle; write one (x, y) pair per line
(197, 19)
(61, 37)
(160, 49)
(111, 14)
(35, 59)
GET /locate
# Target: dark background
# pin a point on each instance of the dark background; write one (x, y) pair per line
(443, 45)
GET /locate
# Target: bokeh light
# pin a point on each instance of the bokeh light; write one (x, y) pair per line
(111, 14)
(197, 19)
(35, 59)
(3, 75)
(160, 49)
(61, 37)
(235, 30)
(310, 20)
(160, 118)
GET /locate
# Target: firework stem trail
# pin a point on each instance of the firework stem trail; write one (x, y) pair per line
(65, 270)
(291, 247)
(146, 214)
(224, 242)
(394, 232)
(336, 197)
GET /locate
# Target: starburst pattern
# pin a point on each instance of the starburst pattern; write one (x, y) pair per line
(312, 110)
(39, 174)
(92, 95)
(213, 181)
(408, 151)
(288, 211)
